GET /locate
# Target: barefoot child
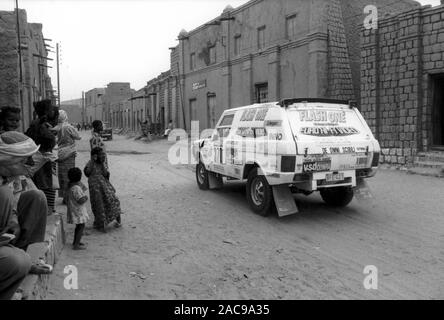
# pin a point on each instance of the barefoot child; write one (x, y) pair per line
(76, 201)
(104, 203)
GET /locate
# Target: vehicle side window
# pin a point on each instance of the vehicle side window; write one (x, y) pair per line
(223, 132)
(224, 127)
(227, 120)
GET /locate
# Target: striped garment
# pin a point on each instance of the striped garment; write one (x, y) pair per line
(64, 166)
(50, 199)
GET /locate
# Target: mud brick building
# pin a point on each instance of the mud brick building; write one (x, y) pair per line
(94, 105)
(36, 83)
(74, 109)
(267, 50)
(402, 88)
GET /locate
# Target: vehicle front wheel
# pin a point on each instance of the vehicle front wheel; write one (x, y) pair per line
(337, 197)
(259, 193)
(202, 176)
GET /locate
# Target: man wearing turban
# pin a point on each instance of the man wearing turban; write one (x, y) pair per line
(23, 211)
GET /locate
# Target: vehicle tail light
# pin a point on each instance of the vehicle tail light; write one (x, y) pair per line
(288, 163)
(375, 161)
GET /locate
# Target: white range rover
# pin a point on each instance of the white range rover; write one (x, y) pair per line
(294, 146)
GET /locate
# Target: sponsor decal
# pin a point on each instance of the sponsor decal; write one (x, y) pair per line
(337, 150)
(329, 131)
(257, 114)
(245, 132)
(275, 136)
(322, 116)
(313, 166)
(260, 132)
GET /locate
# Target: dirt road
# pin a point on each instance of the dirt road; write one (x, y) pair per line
(178, 242)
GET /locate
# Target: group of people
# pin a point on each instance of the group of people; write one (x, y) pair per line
(29, 164)
(84, 126)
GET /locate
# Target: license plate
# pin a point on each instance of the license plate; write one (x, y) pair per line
(332, 177)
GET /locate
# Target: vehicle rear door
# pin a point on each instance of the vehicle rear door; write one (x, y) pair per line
(330, 136)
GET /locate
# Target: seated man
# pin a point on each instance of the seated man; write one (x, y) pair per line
(23, 212)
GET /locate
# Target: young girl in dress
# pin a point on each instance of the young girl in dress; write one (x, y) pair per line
(104, 203)
(76, 201)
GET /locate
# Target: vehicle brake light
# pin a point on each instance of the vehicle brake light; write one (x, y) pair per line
(375, 161)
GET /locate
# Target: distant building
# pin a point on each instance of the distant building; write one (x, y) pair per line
(94, 109)
(35, 84)
(162, 100)
(109, 104)
(115, 103)
(138, 108)
(74, 110)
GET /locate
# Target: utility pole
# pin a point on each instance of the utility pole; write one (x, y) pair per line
(58, 77)
(83, 107)
(19, 46)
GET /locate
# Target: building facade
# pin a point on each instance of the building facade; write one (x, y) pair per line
(24, 75)
(115, 103)
(74, 110)
(268, 50)
(94, 109)
(402, 88)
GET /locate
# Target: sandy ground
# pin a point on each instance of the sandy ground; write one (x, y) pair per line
(178, 242)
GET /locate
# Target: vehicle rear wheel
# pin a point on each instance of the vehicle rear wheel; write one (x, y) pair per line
(202, 176)
(259, 193)
(338, 197)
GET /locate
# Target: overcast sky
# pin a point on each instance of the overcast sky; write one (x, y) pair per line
(106, 41)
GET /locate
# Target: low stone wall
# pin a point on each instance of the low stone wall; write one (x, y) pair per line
(35, 287)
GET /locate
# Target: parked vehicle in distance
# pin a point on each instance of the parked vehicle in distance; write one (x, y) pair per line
(107, 132)
(294, 146)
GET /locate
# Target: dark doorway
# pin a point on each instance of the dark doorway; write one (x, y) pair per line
(438, 111)
(211, 110)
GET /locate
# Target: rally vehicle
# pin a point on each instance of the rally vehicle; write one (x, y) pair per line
(286, 147)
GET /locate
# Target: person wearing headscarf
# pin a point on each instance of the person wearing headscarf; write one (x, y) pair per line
(67, 136)
(23, 212)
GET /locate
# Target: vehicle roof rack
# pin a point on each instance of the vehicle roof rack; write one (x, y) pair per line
(286, 102)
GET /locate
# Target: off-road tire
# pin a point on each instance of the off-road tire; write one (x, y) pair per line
(202, 176)
(337, 197)
(261, 204)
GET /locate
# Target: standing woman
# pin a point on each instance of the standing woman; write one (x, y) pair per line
(45, 167)
(67, 136)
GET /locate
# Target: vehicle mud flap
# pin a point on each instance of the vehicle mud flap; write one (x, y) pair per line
(214, 182)
(362, 190)
(284, 201)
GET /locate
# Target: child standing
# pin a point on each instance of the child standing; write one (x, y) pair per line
(96, 140)
(104, 203)
(76, 201)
